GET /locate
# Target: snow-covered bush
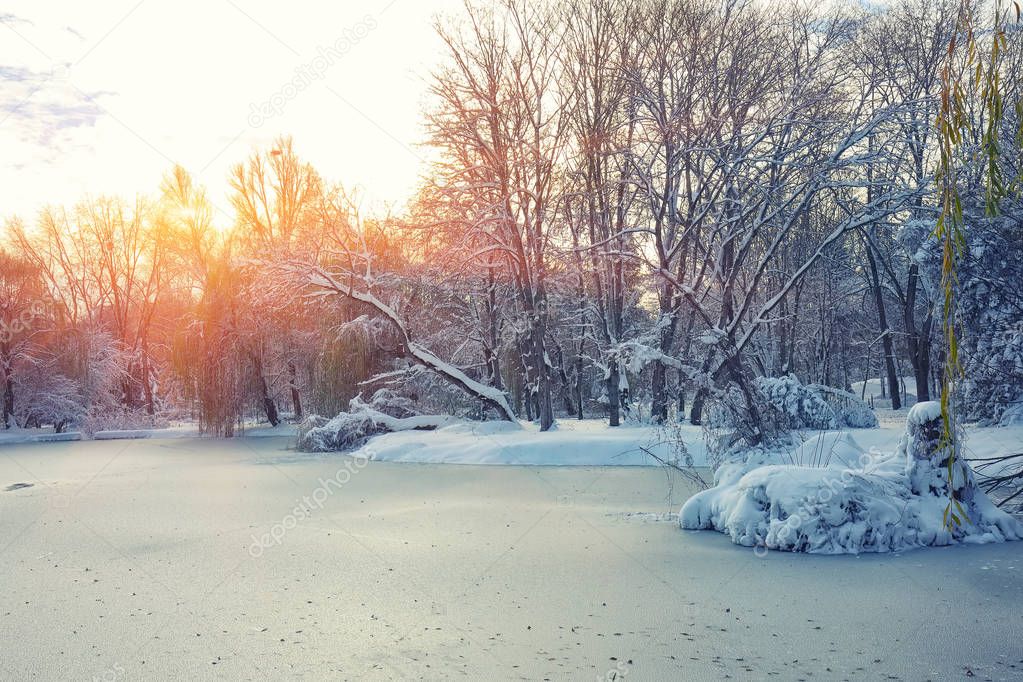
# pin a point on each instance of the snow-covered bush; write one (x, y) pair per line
(120, 419)
(46, 397)
(391, 403)
(346, 431)
(1012, 415)
(850, 411)
(385, 413)
(885, 502)
(801, 406)
(784, 406)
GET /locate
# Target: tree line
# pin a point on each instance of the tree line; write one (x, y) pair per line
(637, 209)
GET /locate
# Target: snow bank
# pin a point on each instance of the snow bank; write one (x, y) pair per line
(387, 429)
(16, 435)
(176, 431)
(123, 434)
(829, 448)
(588, 443)
(880, 502)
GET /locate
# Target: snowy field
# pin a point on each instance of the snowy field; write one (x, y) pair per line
(242, 559)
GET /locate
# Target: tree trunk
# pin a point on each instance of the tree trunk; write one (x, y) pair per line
(681, 396)
(536, 314)
(579, 382)
(296, 397)
(8, 386)
(659, 398)
(665, 339)
(696, 411)
(886, 337)
(493, 361)
(566, 385)
(700, 399)
(922, 363)
(8, 401)
(147, 386)
(269, 406)
(919, 341)
(613, 398)
(755, 422)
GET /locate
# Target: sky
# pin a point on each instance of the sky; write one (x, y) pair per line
(104, 98)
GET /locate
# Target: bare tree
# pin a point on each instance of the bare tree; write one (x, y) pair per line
(500, 123)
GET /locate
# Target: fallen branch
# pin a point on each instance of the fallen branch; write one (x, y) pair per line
(687, 473)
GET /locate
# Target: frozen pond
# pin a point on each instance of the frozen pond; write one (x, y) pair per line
(244, 560)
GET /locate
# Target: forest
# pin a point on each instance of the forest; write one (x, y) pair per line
(638, 211)
(538, 339)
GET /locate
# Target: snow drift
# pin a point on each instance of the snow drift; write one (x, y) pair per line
(571, 444)
(877, 503)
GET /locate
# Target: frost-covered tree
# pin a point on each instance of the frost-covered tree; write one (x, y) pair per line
(23, 317)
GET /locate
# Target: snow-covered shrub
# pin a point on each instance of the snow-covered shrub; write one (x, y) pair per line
(802, 406)
(346, 431)
(850, 411)
(104, 373)
(120, 419)
(391, 403)
(885, 502)
(1013, 415)
(993, 389)
(45, 397)
(385, 413)
(735, 422)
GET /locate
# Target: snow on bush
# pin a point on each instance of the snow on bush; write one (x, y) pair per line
(386, 412)
(883, 503)
(850, 411)
(46, 397)
(803, 407)
(1013, 416)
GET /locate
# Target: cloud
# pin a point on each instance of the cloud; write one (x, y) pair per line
(11, 19)
(38, 105)
(136, 99)
(15, 73)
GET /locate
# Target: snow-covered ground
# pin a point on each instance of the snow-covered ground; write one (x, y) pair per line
(200, 559)
(591, 442)
(876, 391)
(587, 442)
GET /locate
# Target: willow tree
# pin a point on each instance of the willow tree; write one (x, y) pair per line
(971, 79)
